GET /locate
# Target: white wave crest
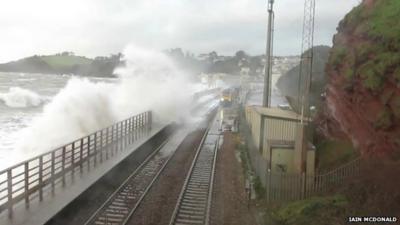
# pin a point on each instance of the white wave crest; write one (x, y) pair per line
(149, 81)
(18, 97)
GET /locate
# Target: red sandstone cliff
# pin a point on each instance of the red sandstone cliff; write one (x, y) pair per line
(362, 100)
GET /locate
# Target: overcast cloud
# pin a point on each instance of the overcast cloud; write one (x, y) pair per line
(102, 27)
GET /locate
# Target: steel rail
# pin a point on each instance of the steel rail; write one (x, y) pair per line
(129, 209)
(193, 205)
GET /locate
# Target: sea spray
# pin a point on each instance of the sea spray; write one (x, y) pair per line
(18, 97)
(148, 81)
(80, 108)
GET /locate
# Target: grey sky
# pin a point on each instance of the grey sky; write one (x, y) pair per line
(102, 27)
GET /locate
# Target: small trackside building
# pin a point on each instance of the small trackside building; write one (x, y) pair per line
(274, 133)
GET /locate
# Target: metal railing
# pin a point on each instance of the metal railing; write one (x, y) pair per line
(281, 187)
(28, 180)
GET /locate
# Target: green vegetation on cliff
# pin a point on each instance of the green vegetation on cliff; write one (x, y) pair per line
(364, 66)
(376, 43)
(313, 211)
(384, 23)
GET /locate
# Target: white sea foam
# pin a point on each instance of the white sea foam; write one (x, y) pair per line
(18, 97)
(149, 81)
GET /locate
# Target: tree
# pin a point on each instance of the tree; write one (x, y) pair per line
(241, 55)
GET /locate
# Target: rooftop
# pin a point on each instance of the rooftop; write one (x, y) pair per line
(277, 113)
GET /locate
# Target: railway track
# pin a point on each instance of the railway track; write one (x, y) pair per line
(193, 206)
(123, 202)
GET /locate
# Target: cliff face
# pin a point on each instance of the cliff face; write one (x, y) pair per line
(288, 83)
(362, 99)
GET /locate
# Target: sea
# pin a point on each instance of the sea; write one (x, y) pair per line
(40, 112)
(22, 98)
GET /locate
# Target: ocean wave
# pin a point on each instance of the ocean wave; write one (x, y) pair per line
(84, 106)
(18, 97)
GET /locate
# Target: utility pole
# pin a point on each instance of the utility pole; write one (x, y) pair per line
(268, 57)
(304, 85)
(267, 83)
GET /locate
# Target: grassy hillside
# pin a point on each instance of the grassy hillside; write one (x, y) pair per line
(59, 61)
(64, 63)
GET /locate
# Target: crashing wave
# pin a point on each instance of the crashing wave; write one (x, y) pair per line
(84, 106)
(18, 97)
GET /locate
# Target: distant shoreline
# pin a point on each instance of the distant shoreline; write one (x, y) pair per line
(65, 63)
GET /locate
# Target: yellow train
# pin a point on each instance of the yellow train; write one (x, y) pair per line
(227, 96)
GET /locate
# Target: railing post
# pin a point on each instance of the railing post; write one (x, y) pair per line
(126, 132)
(145, 121)
(113, 138)
(73, 160)
(41, 178)
(9, 193)
(120, 141)
(88, 153)
(123, 133)
(53, 160)
(119, 134)
(63, 166)
(101, 146)
(81, 156)
(117, 129)
(150, 120)
(135, 128)
(110, 134)
(125, 126)
(131, 130)
(119, 125)
(141, 125)
(26, 171)
(107, 137)
(139, 128)
(95, 149)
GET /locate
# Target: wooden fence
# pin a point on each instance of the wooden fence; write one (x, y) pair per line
(28, 180)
